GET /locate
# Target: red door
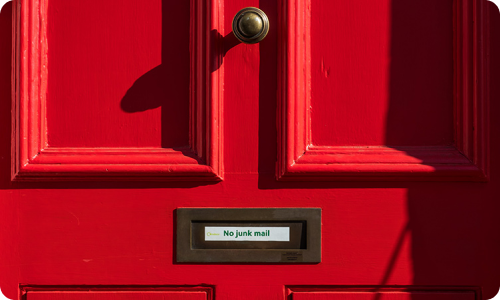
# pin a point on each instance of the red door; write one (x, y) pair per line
(377, 112)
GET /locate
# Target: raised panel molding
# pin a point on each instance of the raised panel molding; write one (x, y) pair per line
(33, 159)
(298, 159)
(116, 292)
(383, 292)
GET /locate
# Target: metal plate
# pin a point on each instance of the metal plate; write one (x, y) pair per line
(303, 245)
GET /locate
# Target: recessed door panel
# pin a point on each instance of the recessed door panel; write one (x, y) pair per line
(348, 113)
(101, 96)
(116, 294)
(383, 78)
(413, 295)
(109, 91)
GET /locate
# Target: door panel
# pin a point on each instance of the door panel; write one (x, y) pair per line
(384, 295)
(75, 80)
(384, 78)
(117, 296)
(356, 158)
(111, 97)
(101, 294)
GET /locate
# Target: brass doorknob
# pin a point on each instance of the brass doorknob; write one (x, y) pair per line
(250, 25)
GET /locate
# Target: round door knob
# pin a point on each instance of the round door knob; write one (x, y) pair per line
(250, 25)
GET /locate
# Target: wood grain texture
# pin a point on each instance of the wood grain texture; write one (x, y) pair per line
(93, 139)
(465, 159)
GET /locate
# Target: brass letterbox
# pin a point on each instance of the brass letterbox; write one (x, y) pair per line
(259, 235)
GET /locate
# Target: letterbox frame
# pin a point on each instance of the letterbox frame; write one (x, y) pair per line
(186, 254)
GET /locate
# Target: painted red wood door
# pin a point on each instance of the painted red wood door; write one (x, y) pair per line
(374, 111)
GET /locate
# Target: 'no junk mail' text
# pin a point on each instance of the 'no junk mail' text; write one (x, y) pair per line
(222, 233)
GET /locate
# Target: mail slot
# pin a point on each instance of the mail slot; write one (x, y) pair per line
(266, 235)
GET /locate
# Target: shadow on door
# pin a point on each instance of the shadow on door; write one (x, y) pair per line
(452, 227)
(152, 90)
(454, 235)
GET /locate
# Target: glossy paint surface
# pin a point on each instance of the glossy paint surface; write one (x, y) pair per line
(111, 97)
(433, 239)
(385, 295)
(98, 294)
(398, 61)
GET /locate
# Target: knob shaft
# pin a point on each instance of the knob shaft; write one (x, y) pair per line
(250, 25)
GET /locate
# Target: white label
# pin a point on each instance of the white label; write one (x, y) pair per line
(270, 234)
